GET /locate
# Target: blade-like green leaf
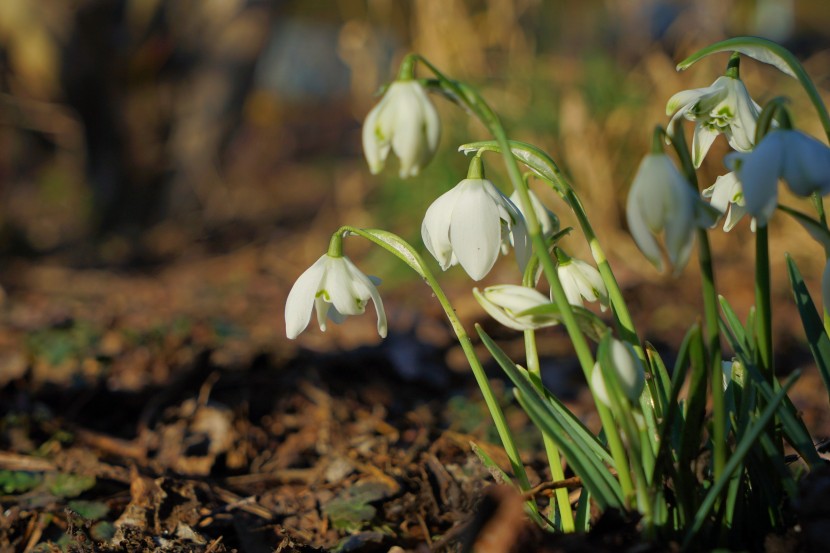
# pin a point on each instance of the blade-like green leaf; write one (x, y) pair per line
(760, 49)
(817, 338)
(578, 452)
(736, 459)
(733, 326)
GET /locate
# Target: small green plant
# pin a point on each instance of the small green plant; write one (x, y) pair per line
(705, 467)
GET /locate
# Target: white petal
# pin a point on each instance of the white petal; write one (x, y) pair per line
(686, 98)
(702, 141)
(435, 230)
(365, 287)
(498, 313)
(339, 286)
(375, 139)
(569, 283)
(640, 232)
(300, 299)
(475, 229)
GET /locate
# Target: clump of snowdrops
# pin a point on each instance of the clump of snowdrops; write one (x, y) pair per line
(705, 467)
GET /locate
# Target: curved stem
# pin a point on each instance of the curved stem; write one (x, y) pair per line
(476, 104)
(408, 255)
(552, 451)
(710, 310)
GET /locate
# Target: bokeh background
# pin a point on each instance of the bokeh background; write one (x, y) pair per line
(200, 152)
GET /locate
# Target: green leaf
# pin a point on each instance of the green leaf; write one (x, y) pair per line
(733, 326)
(494, 469)
(817, 338)
(18, 481)
(91, 510)
(350, 510)
(814, 228)
(736, 459)
(579, 449)
(68, 485)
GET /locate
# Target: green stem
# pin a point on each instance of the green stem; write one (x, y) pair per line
(552, 451)
(710, 310)
(476, 104)
(763, 304)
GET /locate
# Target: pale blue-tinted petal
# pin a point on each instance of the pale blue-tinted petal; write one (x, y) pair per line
(300, 299)
(806, 164)
(758, 172)
(435, 230)
(475, 230)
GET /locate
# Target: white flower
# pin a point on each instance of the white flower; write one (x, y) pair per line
(470, 224)
(801, 160)
(627, 368)
(547, 218)
(405, 121)
(727, 196)
(507, 302)
(725, 107)
(335, 287)
(660, 199)
(581, 280)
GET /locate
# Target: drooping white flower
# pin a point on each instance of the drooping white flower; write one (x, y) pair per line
(335, 288)
(470, 224)
(507, 302)
(581, 280)
(405, 121)
(727, 196)
(547, 218)
(725, 108)
(660, 200)
(797, 158)
(627, 368)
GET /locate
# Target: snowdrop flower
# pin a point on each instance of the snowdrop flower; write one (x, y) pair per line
(727, 196)
(627, 368)
(507, 302)
(406, 122)
(801, 160)
(334, 287)
(581, 280)
(725, 107)
(660, 200)
(470, 224)
(547, 218)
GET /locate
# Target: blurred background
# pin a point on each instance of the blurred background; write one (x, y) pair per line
(195, 155)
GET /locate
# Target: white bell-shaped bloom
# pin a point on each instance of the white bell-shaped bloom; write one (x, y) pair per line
(470, 224)
(797, 158)
(547, 218)
(627, 368)
(406, 122)
(507, 302)
(660, 200)
(581, 280)
(727, 196)
(725, 108)
(334, 287)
